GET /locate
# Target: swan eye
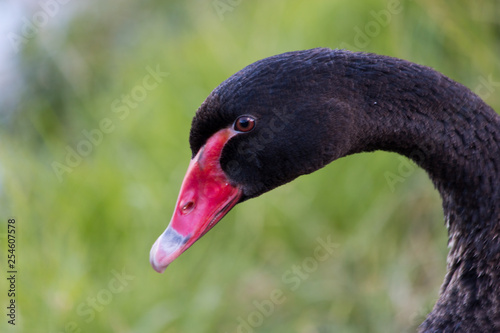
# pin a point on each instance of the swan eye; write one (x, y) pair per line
(244, 124)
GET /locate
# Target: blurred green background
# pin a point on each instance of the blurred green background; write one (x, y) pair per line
(84, 231)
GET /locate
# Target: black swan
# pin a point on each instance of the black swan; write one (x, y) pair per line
(293, 113)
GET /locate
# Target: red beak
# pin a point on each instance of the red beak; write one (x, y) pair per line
(206, 196)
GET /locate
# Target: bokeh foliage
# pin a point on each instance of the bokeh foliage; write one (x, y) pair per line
(103, 217)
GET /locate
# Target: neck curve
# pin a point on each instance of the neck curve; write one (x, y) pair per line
(452, 134)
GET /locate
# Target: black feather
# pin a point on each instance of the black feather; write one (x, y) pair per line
(318, 105)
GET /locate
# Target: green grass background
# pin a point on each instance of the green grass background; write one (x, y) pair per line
(390, 259)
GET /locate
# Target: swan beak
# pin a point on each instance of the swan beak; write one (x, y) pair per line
(206, 195)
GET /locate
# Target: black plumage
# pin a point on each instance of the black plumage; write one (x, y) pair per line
(315, 106)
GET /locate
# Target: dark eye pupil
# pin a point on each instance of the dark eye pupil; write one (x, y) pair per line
(244, 124)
